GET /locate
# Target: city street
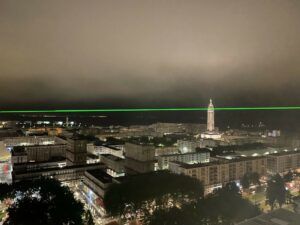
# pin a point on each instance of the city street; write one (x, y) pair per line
(89, 203)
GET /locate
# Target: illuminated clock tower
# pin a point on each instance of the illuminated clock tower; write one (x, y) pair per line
(210, 117)
(211, 132)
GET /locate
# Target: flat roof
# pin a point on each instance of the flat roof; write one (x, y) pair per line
(112, 157)
(196, 165)
(108, 146)
(138, 143)
(188, 153)
(277, 217)
(282, 153)
(47, 145)
(100, 175)
(42, 163)
(84, 167)
(241, 158)
(217, 162)
(92, 156)
(80, 138)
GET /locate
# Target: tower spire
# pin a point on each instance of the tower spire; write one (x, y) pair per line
(210, 117)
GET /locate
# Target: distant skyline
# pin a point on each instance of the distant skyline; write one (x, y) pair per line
(171, 53)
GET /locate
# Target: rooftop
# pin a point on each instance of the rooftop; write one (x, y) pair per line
(92, 156)
(100, 175)
(139, 143)
(112, 147)
(78, 137)
(66, 168)
(188, 153)
(277, 217)
(111, 157)
(216, 162)
(282, 153)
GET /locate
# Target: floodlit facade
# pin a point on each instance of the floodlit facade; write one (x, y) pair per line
(211, 133)
(115, 165)
(105, 149)
(31, 141)
(283, 161)
(189, 158)
(186, 146)
(217, 173)
(210, 117)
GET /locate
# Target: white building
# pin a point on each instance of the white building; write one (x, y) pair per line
(189, 158)
(115, 165)
(219, 172)
(31, 141)
(117, 151)
(282, 162)
(186, 146)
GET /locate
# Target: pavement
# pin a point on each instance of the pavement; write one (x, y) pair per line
(97, 212)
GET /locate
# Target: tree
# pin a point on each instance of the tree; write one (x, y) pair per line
(276, 192)
(230, 196)
(288, 197)
(255, 178)
(250, 178)
(223, 207)
(88, 218)
(4, 190)
(42, 202)
(288, 177)
(245, 182)
(174, 216)
(145, 193)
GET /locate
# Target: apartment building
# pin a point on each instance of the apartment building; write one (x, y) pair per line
(190, 158)
(217, 173)
(283, 161)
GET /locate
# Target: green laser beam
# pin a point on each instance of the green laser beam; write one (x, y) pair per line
(148, 109)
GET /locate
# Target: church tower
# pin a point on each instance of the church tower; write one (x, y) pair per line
(210, 117)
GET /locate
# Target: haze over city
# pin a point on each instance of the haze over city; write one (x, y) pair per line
(99, 54)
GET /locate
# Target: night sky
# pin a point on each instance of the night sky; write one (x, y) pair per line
(99, 54)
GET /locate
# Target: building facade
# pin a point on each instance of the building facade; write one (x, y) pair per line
(139, 158)
(40, 153)
(105, 149)
(211, 133)
(217, 173)
(77, 151)
(186, 146)
(189, 158)
(283, 162)
(210, 117)
(115, 165)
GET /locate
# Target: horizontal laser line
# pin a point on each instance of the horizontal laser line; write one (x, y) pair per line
(148, 109)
